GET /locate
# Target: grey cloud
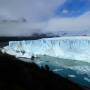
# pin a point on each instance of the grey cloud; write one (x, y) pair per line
(31, 9)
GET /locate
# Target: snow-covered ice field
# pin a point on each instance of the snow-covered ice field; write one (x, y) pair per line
(75, 48)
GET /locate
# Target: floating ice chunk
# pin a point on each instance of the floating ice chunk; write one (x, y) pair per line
(71, 76)
(87, 79)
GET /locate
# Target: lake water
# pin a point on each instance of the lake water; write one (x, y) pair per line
(74, 70)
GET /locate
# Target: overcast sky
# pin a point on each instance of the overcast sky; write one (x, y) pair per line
(44, 16)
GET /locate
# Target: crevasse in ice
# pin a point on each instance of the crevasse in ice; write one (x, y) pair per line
(75, 48)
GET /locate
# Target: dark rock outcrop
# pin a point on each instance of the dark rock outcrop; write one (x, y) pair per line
(19, 75)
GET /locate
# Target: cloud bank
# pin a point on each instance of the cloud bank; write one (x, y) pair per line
(69, 24)
(42, 17)
(33, 10)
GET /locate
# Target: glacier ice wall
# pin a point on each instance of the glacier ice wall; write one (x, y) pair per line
(76, 48)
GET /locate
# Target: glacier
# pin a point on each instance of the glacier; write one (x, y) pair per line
(75, 48)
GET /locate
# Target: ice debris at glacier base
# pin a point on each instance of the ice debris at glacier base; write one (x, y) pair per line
(75, 48)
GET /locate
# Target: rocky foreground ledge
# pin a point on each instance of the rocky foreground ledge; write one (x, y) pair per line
(20, 75)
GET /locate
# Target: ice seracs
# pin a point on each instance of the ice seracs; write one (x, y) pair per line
(75, 48)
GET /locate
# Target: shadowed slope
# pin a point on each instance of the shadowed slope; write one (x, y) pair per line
(19, 75)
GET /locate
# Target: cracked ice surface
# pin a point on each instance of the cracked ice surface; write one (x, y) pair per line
(75, 48)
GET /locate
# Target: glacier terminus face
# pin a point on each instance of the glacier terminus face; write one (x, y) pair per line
(75, 48)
